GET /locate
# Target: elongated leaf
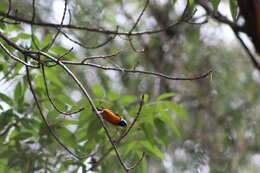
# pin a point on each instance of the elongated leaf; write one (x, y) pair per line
(152, 149)
(161, 128)
(178, 110)
(18, 92)
(98, 91)
(23, 136)
(215, 4)
(113, 95)
(1, 67)
(52, 75)
(47, 40)
(233, 8)
(165, 96)
(166, 117)
(6, 99)
(127, 99)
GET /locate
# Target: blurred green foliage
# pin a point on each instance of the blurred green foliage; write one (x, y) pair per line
(183, 126)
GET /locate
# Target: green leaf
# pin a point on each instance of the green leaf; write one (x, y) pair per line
(148, 132)
(47, 40)
(165, 96)
(6, 99)
(215, 4)
(146, 98)
(173, 2)
(99, 91)
(68, 122)
(191, 2)
(23, 136)
(1, 67)
(233, 9)
(52, 75)
(24, 36)
(59, 50)
(93, 128)
(5, 118)
(127, 99)
(147, 113)
(35, 41)
(112, 95)
(152, 149)
(130, 147)
(178, 110)
(167, 118)
(18, 92)
(161, 128)
(67, 135)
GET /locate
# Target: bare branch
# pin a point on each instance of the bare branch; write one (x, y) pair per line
(140, 71)
(102, 56)
(90, 47)
(133, 47)
(32, 28)
(139, 17)
(58, 28)
(97, 30)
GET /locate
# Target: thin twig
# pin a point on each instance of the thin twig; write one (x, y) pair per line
(141, 103)
(139, 17)
(133, 47)
(16, 58)
(90, 47)
(139, 71)
(32, 28)
(20, 49)
(9, 9)
(102, 56)
(66, 53)
(58, 28)
(51, 101)
(138, 162)
(9, 72)
(251, 56)
(69, 16)
(97, 30)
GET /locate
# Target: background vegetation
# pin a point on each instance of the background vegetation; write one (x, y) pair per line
(204, 125)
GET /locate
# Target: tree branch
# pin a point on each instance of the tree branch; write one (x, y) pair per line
(16, 58)
(140, 71)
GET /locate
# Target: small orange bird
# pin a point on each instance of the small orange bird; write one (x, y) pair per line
(112, 117)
